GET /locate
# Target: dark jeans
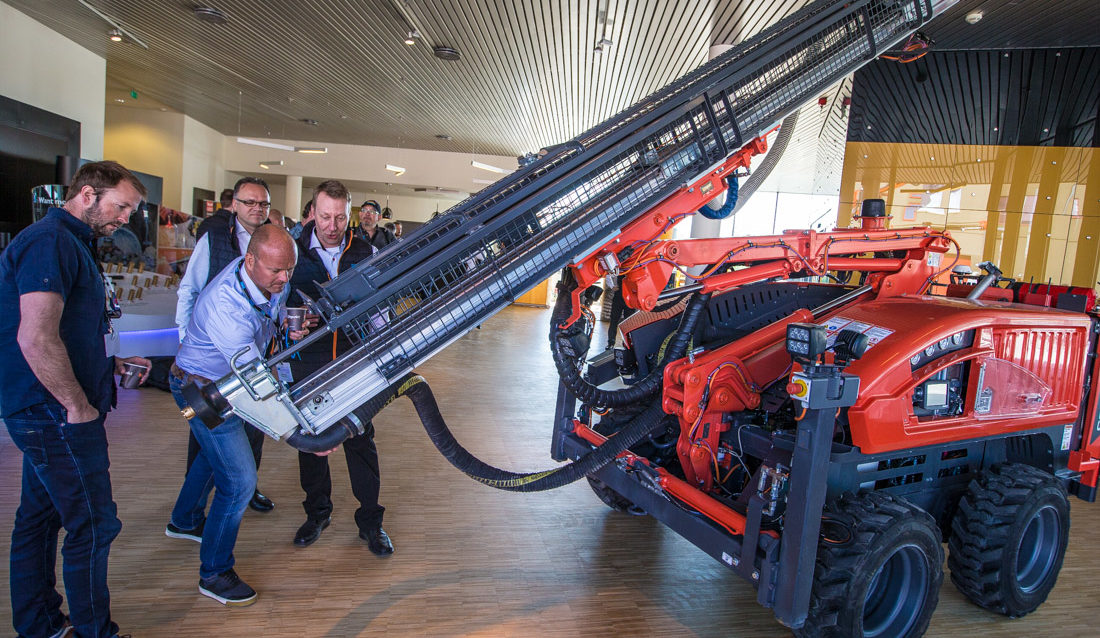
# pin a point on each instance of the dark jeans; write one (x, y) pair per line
(255, 441)
(66, 483)
(224, 463)
(362, 458)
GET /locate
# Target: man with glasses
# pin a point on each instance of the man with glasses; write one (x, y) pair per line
(223, 239)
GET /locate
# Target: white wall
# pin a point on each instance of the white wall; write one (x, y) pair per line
(409, 209)
(181, 150)
(367, 164)
(42, 68)
(149, 141)
(203, 161)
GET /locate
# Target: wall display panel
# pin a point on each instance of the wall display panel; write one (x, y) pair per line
(1033, 211)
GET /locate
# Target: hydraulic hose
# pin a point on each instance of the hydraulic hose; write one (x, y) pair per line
(424, 401)
(416, 389)
(768, 164)
(569, 371)
(347, 427)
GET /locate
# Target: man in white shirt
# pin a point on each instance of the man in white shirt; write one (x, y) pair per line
(327, 247)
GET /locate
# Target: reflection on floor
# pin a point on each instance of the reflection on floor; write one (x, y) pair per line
(470, 561)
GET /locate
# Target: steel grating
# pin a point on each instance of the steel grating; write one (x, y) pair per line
(416, 296)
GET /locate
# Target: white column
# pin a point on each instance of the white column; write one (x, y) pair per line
(293, 206)
(701, 226)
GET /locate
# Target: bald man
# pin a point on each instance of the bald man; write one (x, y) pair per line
(239, 309)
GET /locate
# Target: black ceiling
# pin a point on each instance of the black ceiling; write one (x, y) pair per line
(1044, 97)
(1018, 24)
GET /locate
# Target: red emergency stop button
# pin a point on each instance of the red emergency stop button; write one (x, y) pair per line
(797, 388)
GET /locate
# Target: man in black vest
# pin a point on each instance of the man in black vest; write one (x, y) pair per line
(222, 239)
(326, 248)
(376, 235)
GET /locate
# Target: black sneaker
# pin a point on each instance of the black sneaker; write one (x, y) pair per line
(228, 589)
(194, 534)
(65, 631)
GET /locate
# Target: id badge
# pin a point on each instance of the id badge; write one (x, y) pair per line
(283, 370)
(111, 343)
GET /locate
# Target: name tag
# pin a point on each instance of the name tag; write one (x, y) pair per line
(111, 343)
(283, 370)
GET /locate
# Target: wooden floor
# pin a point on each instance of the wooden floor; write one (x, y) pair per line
(470, 560)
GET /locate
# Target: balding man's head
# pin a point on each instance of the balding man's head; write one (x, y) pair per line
(270, 259)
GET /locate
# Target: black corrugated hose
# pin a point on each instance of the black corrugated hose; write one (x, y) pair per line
(416, 388)
(569, 368)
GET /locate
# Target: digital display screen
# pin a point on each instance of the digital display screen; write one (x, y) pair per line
(935, 395)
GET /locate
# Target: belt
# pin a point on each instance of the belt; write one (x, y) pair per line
(187, 377)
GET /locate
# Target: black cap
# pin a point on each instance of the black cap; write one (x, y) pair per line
(873, 208)
(371, 202)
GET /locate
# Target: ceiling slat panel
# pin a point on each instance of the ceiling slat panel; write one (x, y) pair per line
(528, 76)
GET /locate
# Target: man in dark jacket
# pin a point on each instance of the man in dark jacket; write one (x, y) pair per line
(378, 236)
(326, 248)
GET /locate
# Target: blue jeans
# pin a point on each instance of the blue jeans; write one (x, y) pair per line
(224, 462)
(66, 483)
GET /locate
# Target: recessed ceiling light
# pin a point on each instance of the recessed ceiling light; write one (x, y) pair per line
(114, 35)
(211, 15)
(490, 168)
(265, 144)
(120, 100)
(974, 17)
(316, 150)
(270, 163)
(398, 171)
(446, 53)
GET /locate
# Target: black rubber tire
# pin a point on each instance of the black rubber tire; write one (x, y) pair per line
(1008, 538)
(880, 580)
(613, 499)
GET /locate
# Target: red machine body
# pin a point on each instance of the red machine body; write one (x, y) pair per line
(897, 265)
(963, 410)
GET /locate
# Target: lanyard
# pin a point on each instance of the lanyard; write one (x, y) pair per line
(112, 309)
(244, 291)
(339, 258)
(273, 345)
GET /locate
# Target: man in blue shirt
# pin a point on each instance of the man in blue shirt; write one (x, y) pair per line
(238, 310)
(222, 238)
(56, 386)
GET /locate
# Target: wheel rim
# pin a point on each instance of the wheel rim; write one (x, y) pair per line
(897, 593)
(1038, 549)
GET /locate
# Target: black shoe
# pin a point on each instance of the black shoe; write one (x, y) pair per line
(65, 631)
(194, 534)
(228, 589)
(378, 542)
(261, 503)
(310, 531)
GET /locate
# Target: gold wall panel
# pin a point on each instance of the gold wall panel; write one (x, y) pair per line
(1034, 211)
